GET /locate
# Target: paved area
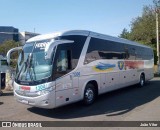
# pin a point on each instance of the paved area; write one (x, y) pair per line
(128, 104)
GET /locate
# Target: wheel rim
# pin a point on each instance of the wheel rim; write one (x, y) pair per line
(89, 95)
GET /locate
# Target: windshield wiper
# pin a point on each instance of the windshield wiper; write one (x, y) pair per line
(30, 67)
(26, 64)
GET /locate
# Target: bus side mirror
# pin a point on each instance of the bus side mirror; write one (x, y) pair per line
(9, 53)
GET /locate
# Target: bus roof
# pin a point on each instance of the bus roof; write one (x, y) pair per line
(84, 33)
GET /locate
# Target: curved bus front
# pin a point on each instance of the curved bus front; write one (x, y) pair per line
(42, 95)
(40, 68)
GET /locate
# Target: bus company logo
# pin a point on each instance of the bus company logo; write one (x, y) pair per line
(41, 45)
(120, 65)
(41, 87)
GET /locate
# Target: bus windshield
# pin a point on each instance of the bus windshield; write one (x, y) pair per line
(32, 64)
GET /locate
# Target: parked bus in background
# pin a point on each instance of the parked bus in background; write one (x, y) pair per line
(61, 68)
(3, 69)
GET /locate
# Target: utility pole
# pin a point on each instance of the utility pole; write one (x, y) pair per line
(157, 33)
(157, 11)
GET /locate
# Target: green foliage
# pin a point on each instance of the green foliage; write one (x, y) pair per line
(6, 46)
(125, 34)
(143, 28)
(13, 63)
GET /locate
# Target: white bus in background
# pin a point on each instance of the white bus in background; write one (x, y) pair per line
(61, 68)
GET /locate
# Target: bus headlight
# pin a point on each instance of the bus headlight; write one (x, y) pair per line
(45, 91)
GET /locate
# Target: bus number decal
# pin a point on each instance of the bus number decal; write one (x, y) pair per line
(40, 87)
(76, 74)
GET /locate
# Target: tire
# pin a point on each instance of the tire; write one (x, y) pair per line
(142, 80)
(89, 94)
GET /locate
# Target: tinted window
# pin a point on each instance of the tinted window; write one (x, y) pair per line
(148, 54)
(76, 47)
(103, 49)
(139, 53)
(144, 53)
(130, 52)
(63, 61)
(67, 55)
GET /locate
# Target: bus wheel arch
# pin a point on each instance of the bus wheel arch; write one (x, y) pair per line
(90, 92)
(142, 79)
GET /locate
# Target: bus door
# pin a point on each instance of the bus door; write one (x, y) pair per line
(64, 78)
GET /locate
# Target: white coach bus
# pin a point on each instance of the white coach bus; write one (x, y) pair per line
(61, 68)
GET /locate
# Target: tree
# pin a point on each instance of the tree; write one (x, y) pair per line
(144, 28)
(125, 34)
(6, 46)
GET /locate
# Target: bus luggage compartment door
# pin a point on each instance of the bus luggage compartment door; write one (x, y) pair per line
(112, 80)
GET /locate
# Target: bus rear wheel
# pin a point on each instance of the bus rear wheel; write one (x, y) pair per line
(89, 94)
(142, 80)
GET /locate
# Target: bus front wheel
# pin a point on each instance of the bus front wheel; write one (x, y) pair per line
(89, 94)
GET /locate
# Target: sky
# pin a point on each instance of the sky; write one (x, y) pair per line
(47, 16)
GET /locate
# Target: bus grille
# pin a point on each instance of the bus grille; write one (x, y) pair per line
(27, 94)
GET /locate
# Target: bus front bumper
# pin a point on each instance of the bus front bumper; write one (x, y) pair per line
(43, 101)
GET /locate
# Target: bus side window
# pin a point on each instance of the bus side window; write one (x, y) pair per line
(126, 54)
(64, 61)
